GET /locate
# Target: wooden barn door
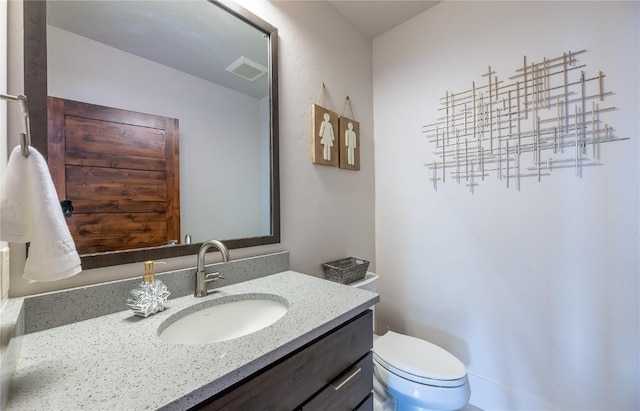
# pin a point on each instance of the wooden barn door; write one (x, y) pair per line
(120, 169)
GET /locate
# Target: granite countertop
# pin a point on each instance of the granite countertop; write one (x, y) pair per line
(117, 362)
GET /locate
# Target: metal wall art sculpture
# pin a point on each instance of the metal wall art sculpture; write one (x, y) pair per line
(546, 116)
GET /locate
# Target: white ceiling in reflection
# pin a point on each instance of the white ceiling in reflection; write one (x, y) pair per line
(195, 37)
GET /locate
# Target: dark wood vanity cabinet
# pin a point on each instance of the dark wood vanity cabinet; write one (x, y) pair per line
(333, 372)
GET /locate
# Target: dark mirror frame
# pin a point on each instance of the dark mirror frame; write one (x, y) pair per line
(35, 88)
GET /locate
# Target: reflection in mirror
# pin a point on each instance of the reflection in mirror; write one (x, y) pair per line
(210, 66)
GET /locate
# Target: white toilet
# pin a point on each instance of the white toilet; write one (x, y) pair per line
(411, 374)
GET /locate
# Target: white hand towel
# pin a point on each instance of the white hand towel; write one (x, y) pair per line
(30, 212)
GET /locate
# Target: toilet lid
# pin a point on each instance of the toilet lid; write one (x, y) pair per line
(418, 358)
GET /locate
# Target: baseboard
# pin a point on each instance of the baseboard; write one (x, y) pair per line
(491, 396)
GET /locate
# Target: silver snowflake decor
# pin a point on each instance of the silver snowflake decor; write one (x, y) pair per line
(148, 298)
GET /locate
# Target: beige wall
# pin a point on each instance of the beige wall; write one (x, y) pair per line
(327, 213)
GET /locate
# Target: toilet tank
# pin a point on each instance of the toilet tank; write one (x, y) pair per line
(369, 282)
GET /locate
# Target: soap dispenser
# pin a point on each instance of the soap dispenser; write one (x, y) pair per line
(150, 296)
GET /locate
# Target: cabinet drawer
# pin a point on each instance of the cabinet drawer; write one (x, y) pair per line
(346, 391)
(367, 404)
(295, 378)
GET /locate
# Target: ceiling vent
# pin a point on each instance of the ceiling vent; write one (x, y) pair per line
(247, 69)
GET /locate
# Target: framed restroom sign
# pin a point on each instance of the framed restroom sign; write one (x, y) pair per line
(349, 131)
(325, 137)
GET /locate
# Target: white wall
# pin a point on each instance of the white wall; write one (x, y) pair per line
(4, 277)
(536, 290)
(327, 213)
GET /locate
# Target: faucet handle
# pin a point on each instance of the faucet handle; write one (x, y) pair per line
(211, 277)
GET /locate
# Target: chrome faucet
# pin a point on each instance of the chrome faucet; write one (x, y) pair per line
(202, 278)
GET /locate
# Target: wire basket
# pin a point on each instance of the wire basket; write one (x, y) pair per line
(346, 271)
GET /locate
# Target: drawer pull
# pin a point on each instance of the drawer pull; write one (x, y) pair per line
(344, 378)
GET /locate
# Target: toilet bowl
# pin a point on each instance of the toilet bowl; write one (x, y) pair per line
(411, 374)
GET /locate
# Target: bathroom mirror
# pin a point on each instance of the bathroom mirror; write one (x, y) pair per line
(223, 93)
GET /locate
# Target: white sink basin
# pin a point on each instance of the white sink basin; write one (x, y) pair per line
(223, 319)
